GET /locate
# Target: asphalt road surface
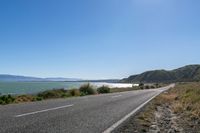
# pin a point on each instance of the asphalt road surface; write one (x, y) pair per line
(89, 114)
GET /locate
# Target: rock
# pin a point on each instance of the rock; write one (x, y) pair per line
(154, 123)
(153, 127)
(171, 131)
(154, 131)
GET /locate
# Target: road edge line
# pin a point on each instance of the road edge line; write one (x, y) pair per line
(114, 126)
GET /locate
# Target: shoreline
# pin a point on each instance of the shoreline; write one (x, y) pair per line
(27, 87)
(83, 90)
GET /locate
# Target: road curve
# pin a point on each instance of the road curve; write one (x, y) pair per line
(90, 114)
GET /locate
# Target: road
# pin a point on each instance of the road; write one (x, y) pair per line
(89, 114)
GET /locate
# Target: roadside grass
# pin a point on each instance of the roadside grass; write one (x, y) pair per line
(187, 100)
(6, 99)
(86, 89)
(55, 93)
(103, 89)
(24, 98)
(114, 90)
(183, 100)
(74, 92)
(152, 85)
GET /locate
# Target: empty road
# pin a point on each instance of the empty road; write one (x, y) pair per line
(89, 114)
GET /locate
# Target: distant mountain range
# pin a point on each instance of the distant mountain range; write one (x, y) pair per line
(183, 74)
(16, 78)
(4, 77)
(63, 79)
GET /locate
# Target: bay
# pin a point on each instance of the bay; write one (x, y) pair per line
(34, 87)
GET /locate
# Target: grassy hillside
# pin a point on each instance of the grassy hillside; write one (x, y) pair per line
(187, 73)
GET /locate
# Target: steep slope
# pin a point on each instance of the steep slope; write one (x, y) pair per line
(187, 73)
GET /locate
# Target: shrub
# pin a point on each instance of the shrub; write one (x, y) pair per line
(6, 99)
(141, 87)
(103, 89)
(2, 102)
(141, 84)
(147, 87)
(74, 92)
(82, 94)
(52, 94)
(39, 98)
(24, 98)
(153, 87)
(157, 85)
(64, 95)
(87, 89)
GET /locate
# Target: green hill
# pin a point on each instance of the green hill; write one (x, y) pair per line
(187, 73)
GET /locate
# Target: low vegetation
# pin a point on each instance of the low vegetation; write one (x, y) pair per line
(86, 89)
(113, 90)
(187, 99)
(25, 98)
(103, 89)
(176, 110)
(56, 93)
(6, 99)
(74, 92)
(151, 86)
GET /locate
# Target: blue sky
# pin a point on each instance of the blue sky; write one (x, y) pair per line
(94, 39)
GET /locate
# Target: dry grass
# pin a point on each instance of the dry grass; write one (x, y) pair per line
(147, 116)
(188, 100)
(165, 98)
(24, 98)
(74, 92)
(183, 99)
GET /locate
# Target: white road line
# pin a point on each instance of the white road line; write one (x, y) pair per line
(116, 96)
(41, 111)
(110, 129)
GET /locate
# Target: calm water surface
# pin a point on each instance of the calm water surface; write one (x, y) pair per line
(34, 87)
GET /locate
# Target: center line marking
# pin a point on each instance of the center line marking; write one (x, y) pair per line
(116, 96)
(41, 111)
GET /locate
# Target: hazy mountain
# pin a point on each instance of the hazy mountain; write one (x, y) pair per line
(11, 78)
(186, 73)
(63, 79)
(4, 77)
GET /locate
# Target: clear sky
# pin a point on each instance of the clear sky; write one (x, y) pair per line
(95, 39)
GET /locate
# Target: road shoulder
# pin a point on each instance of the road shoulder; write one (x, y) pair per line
(167, 114)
